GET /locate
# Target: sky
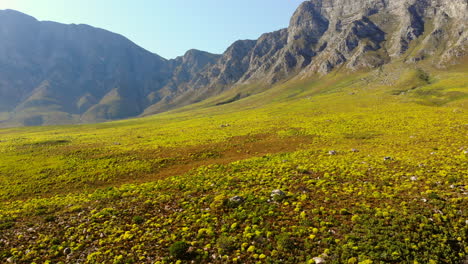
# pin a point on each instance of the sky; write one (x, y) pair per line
(168, 27)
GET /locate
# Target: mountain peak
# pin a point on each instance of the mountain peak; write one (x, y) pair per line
(13, 18)
(14, 12)
(194, 55)
(195, 52)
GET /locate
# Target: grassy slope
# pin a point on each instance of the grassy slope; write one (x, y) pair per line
(352, 206)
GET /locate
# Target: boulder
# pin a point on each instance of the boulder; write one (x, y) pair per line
(319, 260)
(277, 192)
(237, 199)
(277, 195)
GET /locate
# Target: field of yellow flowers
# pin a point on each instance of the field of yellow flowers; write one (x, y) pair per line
(341, 170)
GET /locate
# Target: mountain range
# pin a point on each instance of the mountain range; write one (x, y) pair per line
(53, 73)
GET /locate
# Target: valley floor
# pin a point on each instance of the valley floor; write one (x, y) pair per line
(369, 172)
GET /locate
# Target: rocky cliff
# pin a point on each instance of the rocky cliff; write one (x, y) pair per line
(323, 35)
(347, 34)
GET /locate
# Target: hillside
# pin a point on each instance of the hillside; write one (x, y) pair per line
(361, 168)
(80, 74)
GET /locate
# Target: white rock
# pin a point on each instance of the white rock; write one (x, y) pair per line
(237, 199)
(319, 260)
(277, 192)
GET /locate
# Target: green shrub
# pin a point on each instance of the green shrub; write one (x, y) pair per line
(49, 218)
(6, 225)
(226, 244)
(180, 250)
(138, 220)
(284, 242)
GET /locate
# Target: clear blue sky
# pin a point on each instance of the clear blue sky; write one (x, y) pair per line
(168, 27)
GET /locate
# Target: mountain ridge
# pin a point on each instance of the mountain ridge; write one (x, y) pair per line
(106, 76)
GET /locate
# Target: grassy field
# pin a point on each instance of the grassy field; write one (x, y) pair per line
(372, 169)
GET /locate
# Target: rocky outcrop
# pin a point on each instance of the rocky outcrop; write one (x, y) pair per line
(349, 34)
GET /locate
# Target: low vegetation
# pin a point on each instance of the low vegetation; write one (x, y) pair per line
(359, 174)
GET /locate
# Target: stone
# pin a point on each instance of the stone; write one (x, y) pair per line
(67, 251)
(277, 192)
(237, 199)
(277, 195)
(319, 260)
(332, 152)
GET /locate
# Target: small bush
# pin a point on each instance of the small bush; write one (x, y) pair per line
(138, 220)
(180, 250)
(49, 218)
(285, 242)
(453, 179)
(226, 244)
(434, 196)
(6, 225)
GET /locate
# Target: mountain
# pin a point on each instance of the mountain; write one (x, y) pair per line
(325, 35)
(66, 72)
(54, 74)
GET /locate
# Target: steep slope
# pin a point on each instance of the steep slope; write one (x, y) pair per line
(184, 69)
(71, 70)
(53, 73)
(330, 34)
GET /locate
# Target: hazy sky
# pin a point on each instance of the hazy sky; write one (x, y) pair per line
(168, 27)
